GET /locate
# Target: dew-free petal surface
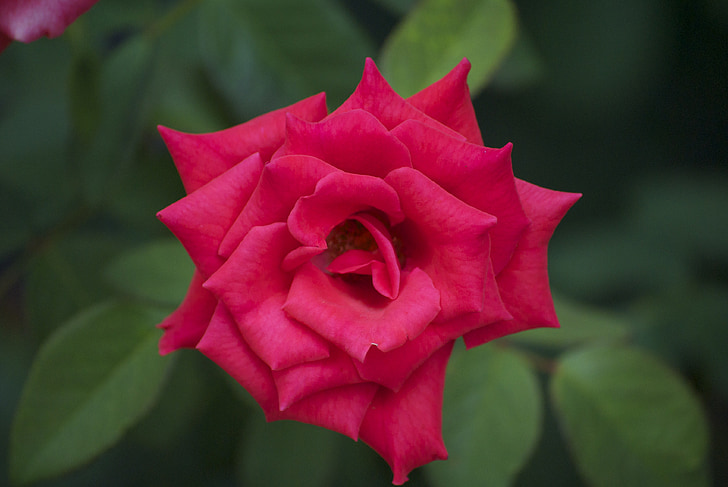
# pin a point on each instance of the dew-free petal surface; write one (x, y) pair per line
(340, 409)
(354, 142)
(28, 20)
(479, 176)
(405, 427)
(201, 219)
(337, 197)
(186, 325)
(355, 317)
(524, 283)
(446, 238)
(295, 383)
(283, 181)
(199, 158)
(374, 95)
(253, 287)
(448, 101)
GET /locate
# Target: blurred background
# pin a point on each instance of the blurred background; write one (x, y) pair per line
(624, 101)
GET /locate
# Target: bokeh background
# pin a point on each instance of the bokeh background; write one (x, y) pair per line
(624, 101)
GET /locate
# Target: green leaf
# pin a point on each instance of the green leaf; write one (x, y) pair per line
(580, 324)
(159, 272)
(491, 418)
(630, 420)
(286, 453)
(91, 381)
(437, 34)
(263, 54)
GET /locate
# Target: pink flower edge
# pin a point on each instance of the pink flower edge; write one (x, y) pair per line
(340, 255)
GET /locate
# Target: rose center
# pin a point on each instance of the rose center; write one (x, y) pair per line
(350, 235)
(363, 245)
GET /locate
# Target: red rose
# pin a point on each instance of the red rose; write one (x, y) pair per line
(28, 20)
(339, 256)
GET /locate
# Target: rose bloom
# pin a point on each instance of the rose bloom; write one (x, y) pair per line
(338, 256)
(28, 20)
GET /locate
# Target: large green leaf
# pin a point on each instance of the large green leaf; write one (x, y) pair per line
(437, 34)
(159, 271)
(491, 418)
(92, 380)
(286, 453)
(630, 420)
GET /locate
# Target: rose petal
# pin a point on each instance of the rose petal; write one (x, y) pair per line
(254, 288)
(338, 196)
(364, 263)
(386, 278)
(446, 238)
(405, 427)
(354, 318)
(202, 157)
(374, 95)
(283, 182)
(353, 261)
(524, 284)
(201, 219)
(393, 368)
(224, 345)
(341, 409)
(28, 20)
(303, 380)
(448, 101)
(354, 142)
(186, 325)
(479, 176)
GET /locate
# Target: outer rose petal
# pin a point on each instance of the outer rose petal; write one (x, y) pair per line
(524, 283)
(28, 20)
(202, 157)
(341, 409)
(299, 381)
(185, 327)
(223, 344)
(448, 101)
(479, 176)
(354, 142)
(201, 219)
(446, 238)
(254, 288)
(405, 427)
(354, 318)
(268, 204)
(393, 368)
(374, 95)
